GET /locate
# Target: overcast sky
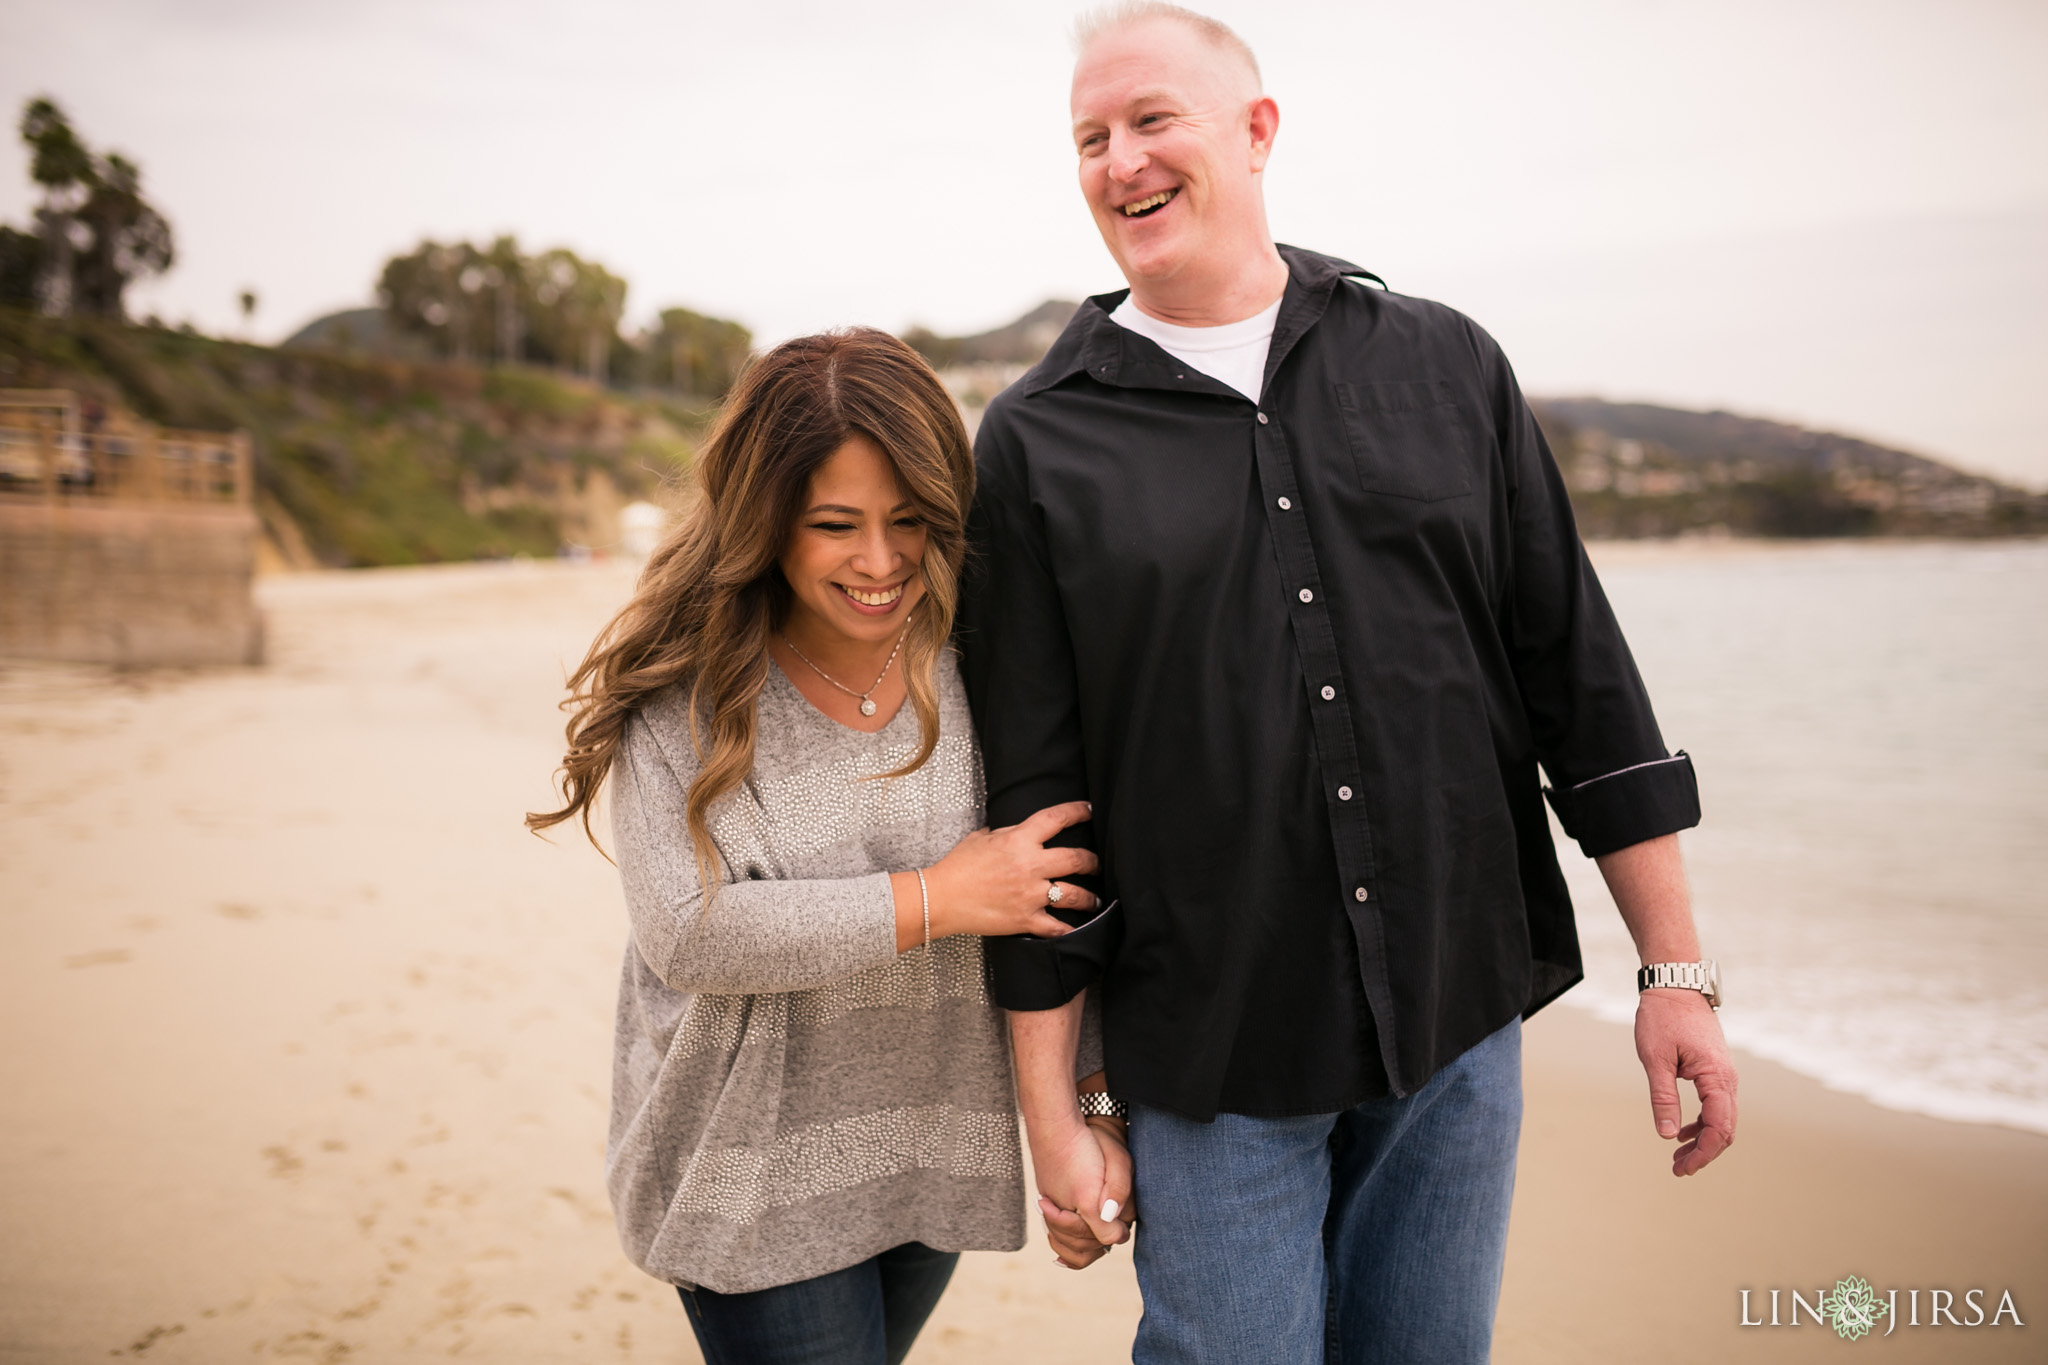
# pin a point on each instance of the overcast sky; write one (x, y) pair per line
(1832, 211)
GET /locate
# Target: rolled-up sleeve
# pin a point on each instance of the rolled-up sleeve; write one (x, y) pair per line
(1018, 663)
(1612, 781)
(1617, 809)
(752, 936)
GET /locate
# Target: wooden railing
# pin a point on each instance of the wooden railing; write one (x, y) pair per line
(56, 447)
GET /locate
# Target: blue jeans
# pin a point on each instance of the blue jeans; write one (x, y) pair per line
(866, 1314)
(1374, 1235)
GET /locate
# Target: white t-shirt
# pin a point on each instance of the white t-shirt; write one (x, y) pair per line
(1234, 353)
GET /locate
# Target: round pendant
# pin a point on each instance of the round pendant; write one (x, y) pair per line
(867, 706)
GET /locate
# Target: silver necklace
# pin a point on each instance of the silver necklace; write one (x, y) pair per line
(867, 698)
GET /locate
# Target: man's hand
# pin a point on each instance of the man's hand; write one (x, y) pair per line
(1084, 1190)
(1678, 1037)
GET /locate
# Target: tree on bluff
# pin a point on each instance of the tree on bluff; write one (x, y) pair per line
(471, 303)
(453, 297)
(130, 240)
(95, 232)
(698, 355)
(21, 267)
(579, 307)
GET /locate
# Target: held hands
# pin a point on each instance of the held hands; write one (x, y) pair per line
(994, 881)
(1084, 1191)
(1678, 1037)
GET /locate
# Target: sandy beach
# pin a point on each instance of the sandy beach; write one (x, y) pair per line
(309, 1053)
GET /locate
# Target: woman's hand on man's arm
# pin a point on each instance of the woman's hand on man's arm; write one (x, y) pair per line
(994, 882)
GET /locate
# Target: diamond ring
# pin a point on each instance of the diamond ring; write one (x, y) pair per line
(1053, 892)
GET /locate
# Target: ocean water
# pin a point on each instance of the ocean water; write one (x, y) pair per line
(1870, 727)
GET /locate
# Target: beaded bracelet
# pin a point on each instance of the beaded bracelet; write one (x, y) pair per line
(925, 893)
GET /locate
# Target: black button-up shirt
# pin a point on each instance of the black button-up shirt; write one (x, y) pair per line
(1305, 657)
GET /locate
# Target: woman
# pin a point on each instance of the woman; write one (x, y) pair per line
(812, 1106)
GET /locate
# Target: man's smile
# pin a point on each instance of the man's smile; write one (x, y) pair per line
(1150, 205)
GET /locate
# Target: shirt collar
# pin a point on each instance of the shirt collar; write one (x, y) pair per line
(1094, 345)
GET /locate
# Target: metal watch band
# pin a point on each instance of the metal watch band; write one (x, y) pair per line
(1101, 1104)
(1703, 976)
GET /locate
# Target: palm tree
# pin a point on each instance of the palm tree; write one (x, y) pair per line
(61, 165)
(99, 234)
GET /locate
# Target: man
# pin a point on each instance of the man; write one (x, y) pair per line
(1277, 570)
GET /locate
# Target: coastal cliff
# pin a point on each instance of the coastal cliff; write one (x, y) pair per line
(363, 460)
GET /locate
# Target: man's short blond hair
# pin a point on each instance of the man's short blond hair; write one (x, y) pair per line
(1122, 14)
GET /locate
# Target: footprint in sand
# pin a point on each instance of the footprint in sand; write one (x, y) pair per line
(140, 1346)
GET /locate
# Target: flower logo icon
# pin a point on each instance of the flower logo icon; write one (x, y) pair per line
(1853, 1308)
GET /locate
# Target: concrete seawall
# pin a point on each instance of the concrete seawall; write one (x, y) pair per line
(128, 585)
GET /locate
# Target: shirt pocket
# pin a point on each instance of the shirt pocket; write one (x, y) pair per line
(1408, 438)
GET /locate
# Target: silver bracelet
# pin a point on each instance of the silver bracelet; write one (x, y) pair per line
(925, 893)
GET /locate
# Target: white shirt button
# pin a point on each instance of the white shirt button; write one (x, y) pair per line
(1359, 893)
(1329, 694)
(1285, 504)
(1307, 596)
(1262, 419)
(1343, 793)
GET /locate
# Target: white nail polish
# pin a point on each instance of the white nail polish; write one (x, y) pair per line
(1109, 1207)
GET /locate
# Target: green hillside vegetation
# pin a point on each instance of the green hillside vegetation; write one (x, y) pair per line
(365, 460)
(442, 426)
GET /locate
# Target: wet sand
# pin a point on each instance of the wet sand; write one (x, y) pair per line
(309, 1047)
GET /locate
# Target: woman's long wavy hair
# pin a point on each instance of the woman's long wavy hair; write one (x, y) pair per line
(713, 592)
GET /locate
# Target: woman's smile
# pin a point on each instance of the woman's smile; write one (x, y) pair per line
(874, 601)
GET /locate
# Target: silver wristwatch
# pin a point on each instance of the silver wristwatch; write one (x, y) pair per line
(1703, 976)
(1101, 1104)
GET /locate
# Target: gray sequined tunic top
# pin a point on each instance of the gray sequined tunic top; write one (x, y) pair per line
(790, 1094)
